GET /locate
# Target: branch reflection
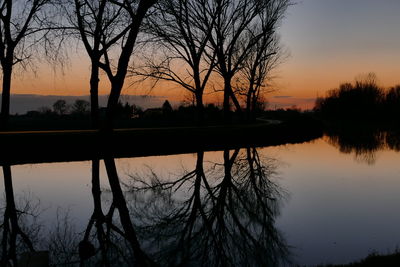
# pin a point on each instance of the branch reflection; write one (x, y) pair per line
(219, 215)
(18, 232)
(114, 240)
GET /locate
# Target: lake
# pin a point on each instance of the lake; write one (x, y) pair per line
(331, 200)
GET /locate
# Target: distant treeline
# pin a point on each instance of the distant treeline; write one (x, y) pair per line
(185, 111)
(64, 115)
(76, 115)
(362, 100)
(80, 108)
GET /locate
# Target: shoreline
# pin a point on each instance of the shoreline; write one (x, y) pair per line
(24, 147)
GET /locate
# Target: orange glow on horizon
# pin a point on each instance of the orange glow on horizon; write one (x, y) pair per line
(297, 81)
(326, 49)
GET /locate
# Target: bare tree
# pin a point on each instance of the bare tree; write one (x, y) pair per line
(177, 29)
(23, 25)
(239, 27)
(108, 30)
(60, 107)
(100, 25)
(253, 80)
(80, 107)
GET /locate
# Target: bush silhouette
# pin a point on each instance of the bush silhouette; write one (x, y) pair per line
(363, 100)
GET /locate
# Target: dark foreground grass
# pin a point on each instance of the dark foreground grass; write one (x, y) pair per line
(374, 260)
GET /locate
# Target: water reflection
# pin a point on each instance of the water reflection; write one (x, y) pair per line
(226, 217)
(110, 239)
(14, 238)
(364, 143)
(218, 214)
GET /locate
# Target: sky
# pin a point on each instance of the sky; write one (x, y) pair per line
(333, 41)
(329, 41)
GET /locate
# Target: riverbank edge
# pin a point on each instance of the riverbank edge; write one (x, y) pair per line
(76, 145)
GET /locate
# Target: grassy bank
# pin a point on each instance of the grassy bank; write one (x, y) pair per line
(69, 145)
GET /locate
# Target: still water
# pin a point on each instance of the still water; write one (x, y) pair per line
(325, 201)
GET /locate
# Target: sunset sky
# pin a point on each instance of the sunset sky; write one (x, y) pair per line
(330, 41)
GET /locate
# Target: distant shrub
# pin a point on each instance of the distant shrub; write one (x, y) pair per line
(392, 101)
(362, 100)
(80, 107)
(60, 107)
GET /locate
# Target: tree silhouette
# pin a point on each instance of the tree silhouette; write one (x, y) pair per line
(166, 107)
(110, 28)
(392, 102)
(362, 100)
(100, 25)
(23, 25)
(60, 107)
(253, 79)
(80, 107)
(177, 32)
(240, 26)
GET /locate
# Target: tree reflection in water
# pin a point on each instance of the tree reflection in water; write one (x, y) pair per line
(226, 218)
(218, 214)
(109, 238)
(364, 144)
(16, 236)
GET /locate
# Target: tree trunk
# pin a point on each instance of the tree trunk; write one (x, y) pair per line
(94, 94)
(5, 100)
(254, 104)
(228, 94)
(116, 87)
(117, 82)
(226, 103)
(200, 107)
(235, 101)
(248, 105)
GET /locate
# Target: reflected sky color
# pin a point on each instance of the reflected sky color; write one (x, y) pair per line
(338, 209)
(329, 42)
